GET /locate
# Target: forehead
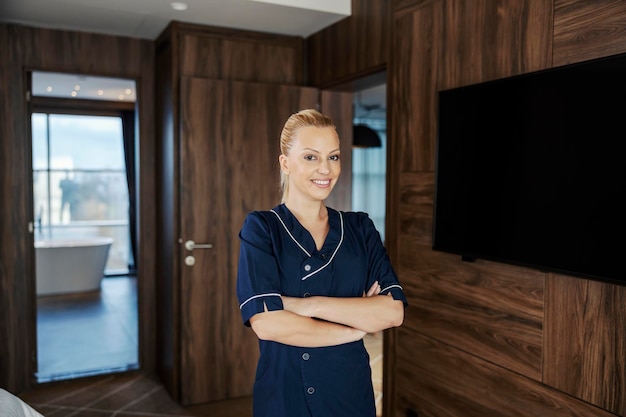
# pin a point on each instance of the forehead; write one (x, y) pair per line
(318, 138)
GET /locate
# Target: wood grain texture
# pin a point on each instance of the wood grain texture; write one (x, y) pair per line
(192, 357)
(587, 29)
(25, 48)
(489, 39)
(416, 206)
(229, 167)
(351, 48)
(17, 291)
(492, 311)
(489, 310)
(338, 105)
(591, 317)
(412, 89)
(438, 380)
(239, 56)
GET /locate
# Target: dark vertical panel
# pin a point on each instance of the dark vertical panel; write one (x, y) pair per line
(353, 47)
(145, 158)
(585, 348)
(64, 51)
(416, 45)
(191, 361)
(338, 105)
(17, 283)
(229, 167)
(167, 288)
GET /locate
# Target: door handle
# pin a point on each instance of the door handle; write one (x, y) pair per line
(191, 245)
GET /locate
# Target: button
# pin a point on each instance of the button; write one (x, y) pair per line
(323, 255)
(306, 294)
(307, 267)
(306, 356)
(310, 390)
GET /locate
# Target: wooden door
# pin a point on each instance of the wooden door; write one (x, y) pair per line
(228, 167)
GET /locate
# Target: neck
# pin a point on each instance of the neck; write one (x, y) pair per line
(307, 211)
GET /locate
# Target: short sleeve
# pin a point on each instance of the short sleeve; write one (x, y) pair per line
(380, 266)
(258, 280)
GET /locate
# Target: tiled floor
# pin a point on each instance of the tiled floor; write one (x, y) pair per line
(99, 331)
(89, 333)
(122, 395)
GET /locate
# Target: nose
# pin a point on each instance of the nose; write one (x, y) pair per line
(324, 167)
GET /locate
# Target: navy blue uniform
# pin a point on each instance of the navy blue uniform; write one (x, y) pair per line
(278, 256)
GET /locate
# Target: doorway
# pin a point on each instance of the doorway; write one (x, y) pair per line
(82, 131)
(369, 172)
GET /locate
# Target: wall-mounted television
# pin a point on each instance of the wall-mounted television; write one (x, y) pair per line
(531, 170)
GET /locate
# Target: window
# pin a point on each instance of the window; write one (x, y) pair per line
(79, 182)
(369, 169)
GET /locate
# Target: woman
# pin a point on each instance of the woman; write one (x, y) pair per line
(312, 282)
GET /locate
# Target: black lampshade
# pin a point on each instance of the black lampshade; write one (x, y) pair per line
(365, 137)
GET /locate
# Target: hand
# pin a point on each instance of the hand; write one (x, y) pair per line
(374, 290)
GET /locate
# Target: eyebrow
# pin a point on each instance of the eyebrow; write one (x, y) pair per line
(316, 151)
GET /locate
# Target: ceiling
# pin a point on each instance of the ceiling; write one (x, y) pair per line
(146, 19)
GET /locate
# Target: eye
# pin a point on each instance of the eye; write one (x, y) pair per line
(334, 158)
(309, 157)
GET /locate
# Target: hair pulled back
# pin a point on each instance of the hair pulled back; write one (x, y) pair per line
(303, 118)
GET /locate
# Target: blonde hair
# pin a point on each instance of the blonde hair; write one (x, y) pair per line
(303, 118)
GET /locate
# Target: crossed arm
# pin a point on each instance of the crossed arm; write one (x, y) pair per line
(326, 321)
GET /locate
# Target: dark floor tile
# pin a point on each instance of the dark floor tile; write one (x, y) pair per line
(159, 403)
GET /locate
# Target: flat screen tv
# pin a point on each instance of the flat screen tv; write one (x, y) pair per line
(531, 170)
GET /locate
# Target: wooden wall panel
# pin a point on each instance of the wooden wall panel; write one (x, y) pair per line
(271, 67)
(338, 105)
(63, 51)
(587, 29)
(489, 39)
(412, 90)
(491, 311)
(239, 55)
(351, 48)
(585, 343)
(437, 380)
(17, 291)
(482, 308)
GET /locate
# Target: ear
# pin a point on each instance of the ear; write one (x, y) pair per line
(284, 163)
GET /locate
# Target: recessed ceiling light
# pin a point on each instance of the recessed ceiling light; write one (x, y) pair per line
(178, 5)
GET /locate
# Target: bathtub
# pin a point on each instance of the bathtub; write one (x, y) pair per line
(70, 266)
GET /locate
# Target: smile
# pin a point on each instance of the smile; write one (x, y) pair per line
(322, 183)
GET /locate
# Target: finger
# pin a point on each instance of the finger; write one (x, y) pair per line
(374, 289)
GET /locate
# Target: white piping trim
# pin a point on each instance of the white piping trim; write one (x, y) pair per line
(334, 253)
(269, 294)
(391, 286)
(290, 235)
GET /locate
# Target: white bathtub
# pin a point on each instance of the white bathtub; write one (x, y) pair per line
(70, 266)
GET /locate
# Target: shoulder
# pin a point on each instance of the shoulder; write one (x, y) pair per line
(257, 223)
(356, 218)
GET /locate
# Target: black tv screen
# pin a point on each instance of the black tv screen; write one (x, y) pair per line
(531, 170)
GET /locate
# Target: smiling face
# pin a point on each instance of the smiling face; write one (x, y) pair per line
(313, 163)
